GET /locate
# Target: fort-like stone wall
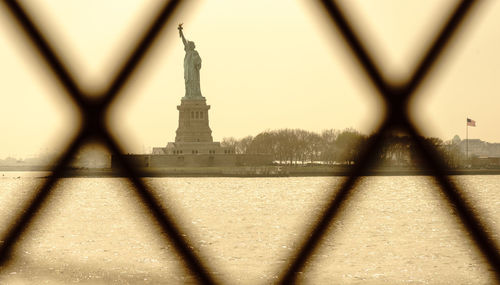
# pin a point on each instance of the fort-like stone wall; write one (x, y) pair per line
(195, 160)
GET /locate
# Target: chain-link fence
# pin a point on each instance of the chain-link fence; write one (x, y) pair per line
(395, 95)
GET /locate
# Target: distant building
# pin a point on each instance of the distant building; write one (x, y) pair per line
(481, 154)
(479, 148)
(485, 162)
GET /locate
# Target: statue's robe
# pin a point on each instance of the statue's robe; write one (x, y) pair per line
(192, 66)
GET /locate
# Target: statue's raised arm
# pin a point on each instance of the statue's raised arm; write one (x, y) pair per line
(181, 34)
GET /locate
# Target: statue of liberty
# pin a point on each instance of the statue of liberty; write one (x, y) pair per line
(192, 66)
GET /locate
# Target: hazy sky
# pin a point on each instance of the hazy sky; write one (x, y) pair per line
(266, 65)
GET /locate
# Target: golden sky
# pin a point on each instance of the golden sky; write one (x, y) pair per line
(266, 65)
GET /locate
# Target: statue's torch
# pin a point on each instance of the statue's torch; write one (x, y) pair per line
(180, 29)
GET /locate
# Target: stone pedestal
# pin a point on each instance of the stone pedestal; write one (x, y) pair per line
(193, 121)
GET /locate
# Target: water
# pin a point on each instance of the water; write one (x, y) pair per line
(392, 230)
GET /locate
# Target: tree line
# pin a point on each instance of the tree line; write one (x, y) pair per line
(297, 146)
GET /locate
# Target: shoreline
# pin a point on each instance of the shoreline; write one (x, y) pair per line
(255, 171)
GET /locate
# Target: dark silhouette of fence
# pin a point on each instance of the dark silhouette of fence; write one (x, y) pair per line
(395, 95)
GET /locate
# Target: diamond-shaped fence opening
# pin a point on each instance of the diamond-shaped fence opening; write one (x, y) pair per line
(396, 96)
(84, 237)
(91, 57)
(36, 108)
(370, 241)
(251, 80)
(463, 87)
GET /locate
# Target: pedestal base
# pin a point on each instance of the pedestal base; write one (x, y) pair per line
(193, 121)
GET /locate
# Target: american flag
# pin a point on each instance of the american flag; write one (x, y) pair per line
(471, 122)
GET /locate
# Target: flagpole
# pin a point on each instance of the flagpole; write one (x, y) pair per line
(467, 140)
